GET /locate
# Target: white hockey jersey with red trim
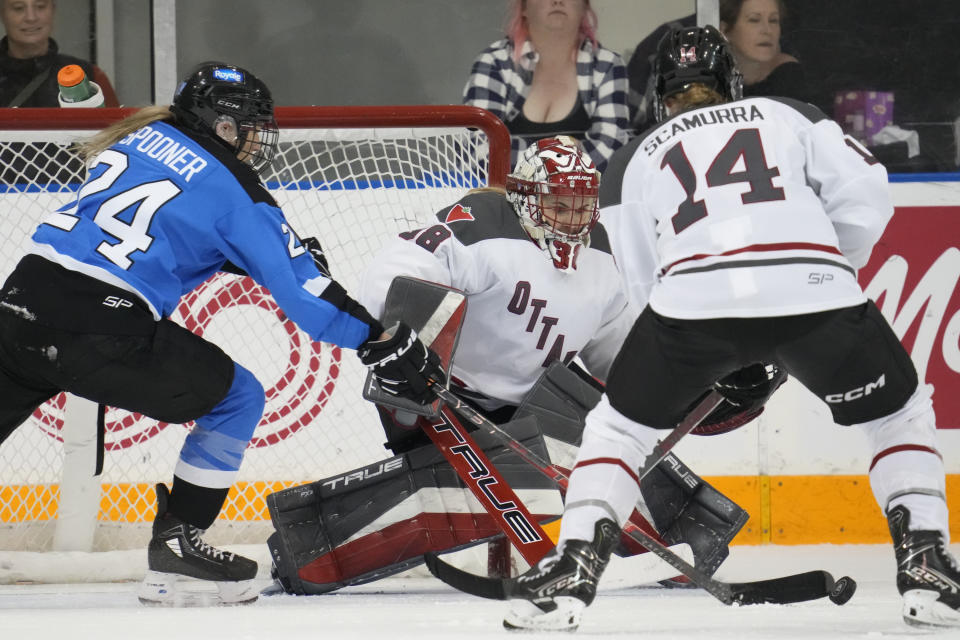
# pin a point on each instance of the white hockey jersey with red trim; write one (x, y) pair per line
(760, 207)
(522, 312)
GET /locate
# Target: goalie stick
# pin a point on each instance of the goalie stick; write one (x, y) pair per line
(801, 587)
(436, 313)
(488, 486)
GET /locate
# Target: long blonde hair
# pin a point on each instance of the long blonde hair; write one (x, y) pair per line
(118, 130)
(491, 189)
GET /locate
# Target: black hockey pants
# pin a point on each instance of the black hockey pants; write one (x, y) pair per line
(850, 358)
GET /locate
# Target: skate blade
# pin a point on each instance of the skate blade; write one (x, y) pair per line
(172, 590)
(922, 609)
(526, 616)
(273, 589)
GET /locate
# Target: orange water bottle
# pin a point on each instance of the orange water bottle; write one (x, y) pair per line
(76, 90)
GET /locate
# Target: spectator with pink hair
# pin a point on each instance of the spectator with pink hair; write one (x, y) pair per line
(549, 76)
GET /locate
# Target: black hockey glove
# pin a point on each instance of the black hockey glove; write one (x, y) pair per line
(402, 365)
(745, 391)
(319, 257)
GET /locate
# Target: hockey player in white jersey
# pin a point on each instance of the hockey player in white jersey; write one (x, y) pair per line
(541, 287)
(739, 225)
(540, 279)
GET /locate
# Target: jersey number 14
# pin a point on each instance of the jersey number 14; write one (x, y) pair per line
(744, 143)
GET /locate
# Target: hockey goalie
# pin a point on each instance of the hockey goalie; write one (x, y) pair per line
(515, 290)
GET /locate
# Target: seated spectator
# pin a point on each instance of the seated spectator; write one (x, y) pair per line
(30, 58)
(550, 77)
(753, 28)
(640, 73)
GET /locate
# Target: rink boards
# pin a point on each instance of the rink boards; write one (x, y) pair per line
(801, 477)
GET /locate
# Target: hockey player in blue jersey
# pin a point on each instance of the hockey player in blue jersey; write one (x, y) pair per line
(173, 196)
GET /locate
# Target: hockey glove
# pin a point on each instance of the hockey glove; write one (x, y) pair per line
(319, 257)
(746, 391)
(402, 365)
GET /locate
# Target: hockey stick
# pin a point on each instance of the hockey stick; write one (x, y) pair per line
(793, 588)
(488, 486)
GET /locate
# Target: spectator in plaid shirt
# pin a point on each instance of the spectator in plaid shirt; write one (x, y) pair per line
(549, 76)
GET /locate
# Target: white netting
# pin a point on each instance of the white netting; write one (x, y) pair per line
(353, 189)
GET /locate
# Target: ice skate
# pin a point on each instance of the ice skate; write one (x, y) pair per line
(927, 574)
(552, 595)
(183, 570)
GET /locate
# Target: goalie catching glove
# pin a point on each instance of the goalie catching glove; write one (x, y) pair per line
(402, 365)
(745, 392)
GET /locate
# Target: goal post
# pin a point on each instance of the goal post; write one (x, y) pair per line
(353, 177)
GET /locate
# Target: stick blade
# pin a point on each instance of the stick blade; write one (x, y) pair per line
(470, 583)
(800, 587)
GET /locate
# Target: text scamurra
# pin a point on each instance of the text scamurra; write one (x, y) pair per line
(701, 118)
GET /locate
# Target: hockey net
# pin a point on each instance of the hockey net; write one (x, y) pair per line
(353, 177)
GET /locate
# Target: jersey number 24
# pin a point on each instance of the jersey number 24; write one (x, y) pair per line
(132, 236)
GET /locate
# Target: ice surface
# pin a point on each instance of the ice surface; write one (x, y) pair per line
(420, 607)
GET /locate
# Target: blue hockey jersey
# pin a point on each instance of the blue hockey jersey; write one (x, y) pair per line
(163, 210)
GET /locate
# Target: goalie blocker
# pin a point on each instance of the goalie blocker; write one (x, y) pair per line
(379, 520)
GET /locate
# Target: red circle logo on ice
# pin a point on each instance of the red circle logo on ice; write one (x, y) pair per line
(299, 390)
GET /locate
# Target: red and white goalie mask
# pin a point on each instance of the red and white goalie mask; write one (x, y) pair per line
(554, 190)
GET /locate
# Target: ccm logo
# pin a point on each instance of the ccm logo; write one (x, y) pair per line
(117, 303)
(859, 392)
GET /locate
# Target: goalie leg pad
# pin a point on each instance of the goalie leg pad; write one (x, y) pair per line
(685, 508)
(380, 519)
(682, 506)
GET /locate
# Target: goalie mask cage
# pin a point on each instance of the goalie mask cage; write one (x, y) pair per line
(351, 176)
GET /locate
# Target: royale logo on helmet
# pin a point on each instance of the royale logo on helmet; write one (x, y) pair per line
(228, 75)
(213, 91)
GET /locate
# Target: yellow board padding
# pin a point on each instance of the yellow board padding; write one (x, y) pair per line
(783, 509)
(129, 502)
(816, 509)
(24, 503)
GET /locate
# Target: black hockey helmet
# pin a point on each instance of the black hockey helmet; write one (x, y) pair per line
(215, 92)
(690, 55)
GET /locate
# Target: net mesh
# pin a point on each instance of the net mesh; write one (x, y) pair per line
(353, 189)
